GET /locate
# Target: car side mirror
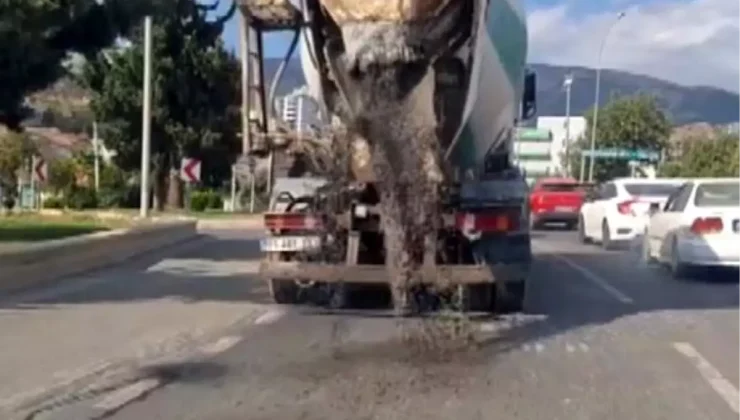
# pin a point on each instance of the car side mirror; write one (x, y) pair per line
(529, 96)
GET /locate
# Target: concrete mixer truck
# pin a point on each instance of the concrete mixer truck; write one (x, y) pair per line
(427, 95)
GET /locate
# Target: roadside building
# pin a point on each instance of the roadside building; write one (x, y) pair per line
(558, 127)
(533, 152)
(541, 151)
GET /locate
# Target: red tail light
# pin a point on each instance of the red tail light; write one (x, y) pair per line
(703, 226)
(291, 221)
(625, 207)
(488, 222)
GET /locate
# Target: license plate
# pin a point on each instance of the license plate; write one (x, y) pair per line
(289, 243)
(565, 209)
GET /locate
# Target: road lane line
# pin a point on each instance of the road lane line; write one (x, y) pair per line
(597, 280)
(127, 394)
(270, 316)
(719, 383)
(220, 346)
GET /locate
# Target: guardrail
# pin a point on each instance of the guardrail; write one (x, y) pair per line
(44, 262)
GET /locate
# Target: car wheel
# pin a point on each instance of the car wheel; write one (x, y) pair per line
(282, 291)
(606, 239)
(582, 231)
(679, 270)
(647, 253)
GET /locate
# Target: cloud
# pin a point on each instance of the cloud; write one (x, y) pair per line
(692, 42)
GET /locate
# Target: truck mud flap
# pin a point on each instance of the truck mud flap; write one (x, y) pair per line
(376, 274)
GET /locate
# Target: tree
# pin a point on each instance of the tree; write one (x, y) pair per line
(15, 150)
(36, 37)
(630, 122)
(717, 156)
(195, 94)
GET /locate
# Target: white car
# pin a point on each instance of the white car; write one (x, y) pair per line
(618, 210)
(698, 226)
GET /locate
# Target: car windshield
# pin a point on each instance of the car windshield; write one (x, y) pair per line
(651, 189)
(720, 194)
(560, 187)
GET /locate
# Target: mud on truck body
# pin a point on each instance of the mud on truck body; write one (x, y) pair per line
(480, 257)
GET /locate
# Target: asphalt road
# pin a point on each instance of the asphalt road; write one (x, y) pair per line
(603, 337)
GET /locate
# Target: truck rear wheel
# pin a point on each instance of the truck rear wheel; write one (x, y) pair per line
(512, 300)
(282, 291)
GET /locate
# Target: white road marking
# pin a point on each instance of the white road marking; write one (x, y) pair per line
(539, 347)
(569, 348)
(597, 280)
(220, 346)
(721, 386)
(127, 394)
(583, 346)
(488, 327)
(270, 316)
(195, 267)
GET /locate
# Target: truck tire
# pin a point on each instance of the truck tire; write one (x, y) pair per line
(513, 300)
(282, 291)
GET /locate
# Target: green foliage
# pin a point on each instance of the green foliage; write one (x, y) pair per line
(36, 36)
(194, 97)
(81, 198)
(62, 175)
(16, 149)
(718, 156)
(205, 200)
(629, 122)
(54, 203)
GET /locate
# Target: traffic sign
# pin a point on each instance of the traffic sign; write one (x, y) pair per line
(40, 170)
(626, 154)
(190, 170)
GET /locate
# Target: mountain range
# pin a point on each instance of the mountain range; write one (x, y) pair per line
(683, 104)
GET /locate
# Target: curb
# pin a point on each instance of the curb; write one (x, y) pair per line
(52, 260)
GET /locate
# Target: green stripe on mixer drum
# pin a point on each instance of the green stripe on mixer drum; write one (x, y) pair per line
(509, 37)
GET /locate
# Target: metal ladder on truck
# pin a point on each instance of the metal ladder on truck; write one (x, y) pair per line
(262, 133)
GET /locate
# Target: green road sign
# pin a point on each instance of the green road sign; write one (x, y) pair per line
(625, 154)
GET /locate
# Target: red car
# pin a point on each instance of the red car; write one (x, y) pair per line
(556, 200)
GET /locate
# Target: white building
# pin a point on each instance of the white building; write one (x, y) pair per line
(296, 110)
(540, 151)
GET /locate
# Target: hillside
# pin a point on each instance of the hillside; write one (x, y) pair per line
(683, 104)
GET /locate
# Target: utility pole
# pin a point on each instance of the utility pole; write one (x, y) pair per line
(146, 118)
(96, 155)
(246, 76)
(567, 83)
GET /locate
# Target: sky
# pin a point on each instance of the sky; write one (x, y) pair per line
(690, 42)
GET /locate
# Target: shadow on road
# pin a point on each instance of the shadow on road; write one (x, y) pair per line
(562, 297)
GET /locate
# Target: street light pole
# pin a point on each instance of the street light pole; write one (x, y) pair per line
(596, 98)
(567, 83)
(146, 118)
